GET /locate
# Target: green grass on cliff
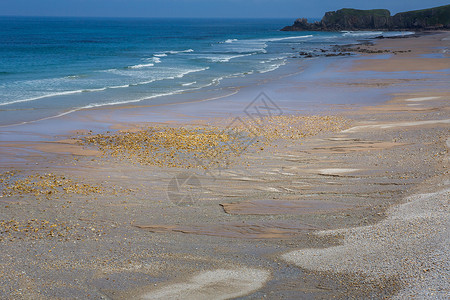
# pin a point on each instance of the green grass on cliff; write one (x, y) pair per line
(435, 15)
(339, 14)
(368, 12)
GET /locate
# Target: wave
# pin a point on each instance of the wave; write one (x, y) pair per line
(252, 46)
(65, 93)
(273, 67)
(141, 66)
(120, 86)
(189, 83)
(165, 53)
(94, 105)
(179, 51)
(42, 97)
(154, 59)
(397, 33)
(376, 33)
(272, 59)
(216, 81)
(189, 72)
(229, 41)
(361, 33)
(287, 38)
(73, 77)
(226, 58)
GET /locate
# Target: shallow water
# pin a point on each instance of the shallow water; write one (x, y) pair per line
(55, 66)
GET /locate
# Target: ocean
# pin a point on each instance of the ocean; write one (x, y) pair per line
(54, 66)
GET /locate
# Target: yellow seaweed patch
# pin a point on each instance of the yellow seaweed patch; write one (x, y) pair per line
(44, 184)
(169, 146)
(34, 229)
(208, 146)
(293, 127)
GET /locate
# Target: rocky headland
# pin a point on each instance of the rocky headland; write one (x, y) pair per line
(436, 18)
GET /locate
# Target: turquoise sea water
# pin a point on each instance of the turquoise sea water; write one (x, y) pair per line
(53, 66)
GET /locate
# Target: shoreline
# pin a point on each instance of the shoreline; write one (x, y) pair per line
(127, 234)
(227, 83)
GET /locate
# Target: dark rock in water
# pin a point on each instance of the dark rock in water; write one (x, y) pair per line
(437, 18)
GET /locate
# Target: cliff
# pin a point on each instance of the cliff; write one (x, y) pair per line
(377, 19)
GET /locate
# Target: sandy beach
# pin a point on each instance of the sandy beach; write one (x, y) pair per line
(248, 194)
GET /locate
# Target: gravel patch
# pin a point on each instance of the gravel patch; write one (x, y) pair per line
(410, 244)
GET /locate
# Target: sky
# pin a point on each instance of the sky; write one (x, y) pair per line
(201, 8)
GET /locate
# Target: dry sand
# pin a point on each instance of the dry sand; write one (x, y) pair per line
(402, 64)
(408, 61)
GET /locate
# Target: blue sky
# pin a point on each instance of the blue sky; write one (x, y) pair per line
(200, 8)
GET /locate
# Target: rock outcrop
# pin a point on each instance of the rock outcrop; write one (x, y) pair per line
(377, 19)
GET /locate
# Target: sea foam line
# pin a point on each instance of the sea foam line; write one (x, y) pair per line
(141, 66)
(273, 67)
(65, 93)
(52, 95)
(179, 51)
(95, 105)
(229, 41)
(287, 38)
(361, 33)
(227, 58)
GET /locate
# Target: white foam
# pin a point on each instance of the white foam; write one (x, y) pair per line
(273, 67)
(154, 59)
(215, 284)
(65, 93)
(95, 105)
(180, 51)
(226, 58)
(287, 38)
(120, 86)
(189, 83)
(243, 46)
(362, 33)
(46, 96)
(229, 41)
(272, 59)
(376, 33)
(141, 66)
(421, 99)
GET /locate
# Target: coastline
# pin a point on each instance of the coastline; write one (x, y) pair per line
(330, 180)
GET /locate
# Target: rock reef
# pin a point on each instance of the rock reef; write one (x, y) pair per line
(436, 18)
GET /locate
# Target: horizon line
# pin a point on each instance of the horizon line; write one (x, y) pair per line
(153, 17)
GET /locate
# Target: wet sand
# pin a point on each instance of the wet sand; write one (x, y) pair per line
(350, 203)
